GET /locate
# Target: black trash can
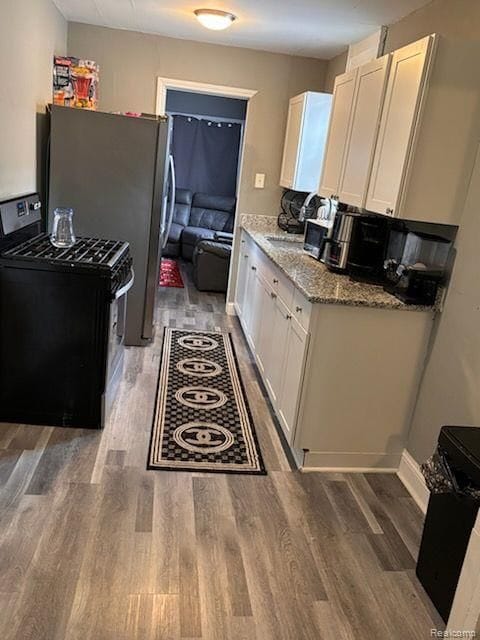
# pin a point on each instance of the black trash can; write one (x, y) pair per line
(451, 515)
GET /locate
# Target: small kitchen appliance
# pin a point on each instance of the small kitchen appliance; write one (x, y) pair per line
(297, 207)
(416, 266)
(337, 245)
(318, 230)
(368, 245)
(61, 321)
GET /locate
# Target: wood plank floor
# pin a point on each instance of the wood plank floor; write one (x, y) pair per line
(94, 547)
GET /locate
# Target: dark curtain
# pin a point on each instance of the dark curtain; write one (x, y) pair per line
(206, 155)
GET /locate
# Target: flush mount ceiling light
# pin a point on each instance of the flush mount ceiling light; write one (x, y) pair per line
(214, 18)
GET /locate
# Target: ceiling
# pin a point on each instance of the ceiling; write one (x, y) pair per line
(317, 28)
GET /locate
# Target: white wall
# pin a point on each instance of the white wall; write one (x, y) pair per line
(31, 31)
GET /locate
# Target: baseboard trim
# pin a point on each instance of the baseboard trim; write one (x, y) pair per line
(411, 476)
(230, 309)
(351, 462)
(348, 470)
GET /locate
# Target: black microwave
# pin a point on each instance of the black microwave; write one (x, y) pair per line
(316, 231)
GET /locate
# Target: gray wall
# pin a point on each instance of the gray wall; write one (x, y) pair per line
(335, 67)
(455, 21)
(449, 393)
(130, 63)
(450, 390)
(31, 31)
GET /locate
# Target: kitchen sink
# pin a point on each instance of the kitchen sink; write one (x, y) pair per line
(285, 243)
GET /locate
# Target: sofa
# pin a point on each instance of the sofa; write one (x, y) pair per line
(211, 263)
(197, 216)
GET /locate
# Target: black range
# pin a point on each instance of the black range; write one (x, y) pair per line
(62, 317)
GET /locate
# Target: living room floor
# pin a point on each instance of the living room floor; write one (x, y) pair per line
(94, 547)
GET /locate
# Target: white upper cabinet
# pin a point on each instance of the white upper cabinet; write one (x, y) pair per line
(360, 146)
(342, 106)
(399, 123)
(305, 139)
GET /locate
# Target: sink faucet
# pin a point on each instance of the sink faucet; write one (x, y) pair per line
(303, 209)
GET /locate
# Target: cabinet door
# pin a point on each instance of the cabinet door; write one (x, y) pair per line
(267, 311)
(403, 99)
(255, 300)
(248, 309)
(293, 137)
(277, 349)
(340, 118)
(242, 276)
(369, 95)
(297, 342)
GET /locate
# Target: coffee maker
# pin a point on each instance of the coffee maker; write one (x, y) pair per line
(357, 245)
(368, 245)
(416, 266)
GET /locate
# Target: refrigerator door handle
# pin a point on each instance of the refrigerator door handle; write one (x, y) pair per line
(172, 202)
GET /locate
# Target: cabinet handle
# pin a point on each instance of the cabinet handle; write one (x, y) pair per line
(275, 281)
(298, 309)
(245, 255)
(288, 317)
(389, 211)
(273, 295)
(242, 241)
(254, 268)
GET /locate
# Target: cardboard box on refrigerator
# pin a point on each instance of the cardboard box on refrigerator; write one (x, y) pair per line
(75, 82)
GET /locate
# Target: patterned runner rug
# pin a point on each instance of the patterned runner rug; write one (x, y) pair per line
(202, 421)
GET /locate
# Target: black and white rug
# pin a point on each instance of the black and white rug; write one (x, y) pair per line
(202, 421)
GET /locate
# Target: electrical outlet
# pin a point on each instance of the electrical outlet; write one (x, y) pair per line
(259, 180)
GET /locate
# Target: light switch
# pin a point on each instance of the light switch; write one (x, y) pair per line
(259, 180)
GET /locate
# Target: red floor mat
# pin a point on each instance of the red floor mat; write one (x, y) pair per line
(170, 274)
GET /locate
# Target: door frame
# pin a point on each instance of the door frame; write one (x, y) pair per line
(226, 91)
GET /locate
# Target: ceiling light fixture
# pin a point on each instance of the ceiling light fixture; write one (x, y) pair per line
(214, 18)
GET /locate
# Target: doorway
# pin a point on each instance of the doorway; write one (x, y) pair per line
(208, 139)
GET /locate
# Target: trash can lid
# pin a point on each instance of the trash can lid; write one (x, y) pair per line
(462, 444)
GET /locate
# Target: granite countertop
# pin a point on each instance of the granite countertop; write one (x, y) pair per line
(311, 277)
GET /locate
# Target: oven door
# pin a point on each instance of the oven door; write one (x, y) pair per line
(116, 330)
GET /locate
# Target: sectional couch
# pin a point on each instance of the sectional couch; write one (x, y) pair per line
(197, 216)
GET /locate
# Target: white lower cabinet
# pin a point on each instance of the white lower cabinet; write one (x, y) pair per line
(256, 303)
(278, 333)
(242, 279)
(292, 376)
(278, 341)
(264, 345)
(342, 379)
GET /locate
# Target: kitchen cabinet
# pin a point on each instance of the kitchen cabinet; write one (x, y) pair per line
(342, 379)
(342, 107)
(253, 300)
(369, 93)
(270, 308)
(275, 361)
(357, 104)
(305, 138)
(399, 123)
(240, 294)
(263, 346)
(407, 148)
(292, 378)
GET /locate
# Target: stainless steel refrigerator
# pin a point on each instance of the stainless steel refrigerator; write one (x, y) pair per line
(117, 174)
